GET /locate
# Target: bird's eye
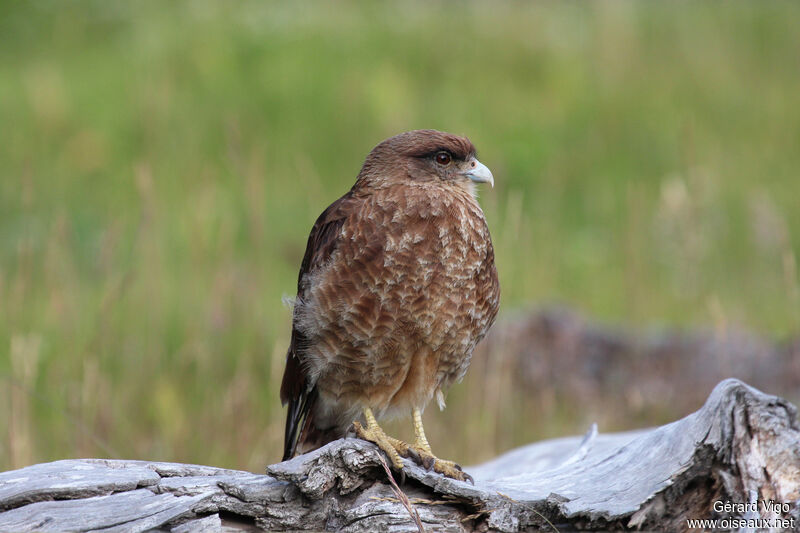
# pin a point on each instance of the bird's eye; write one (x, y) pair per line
(443, 158)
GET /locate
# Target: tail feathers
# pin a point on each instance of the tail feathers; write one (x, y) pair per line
(297, 421)
(313, 437)
(302, 431)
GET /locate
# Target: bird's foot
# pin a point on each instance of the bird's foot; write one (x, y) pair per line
(452, 470)
(391, 446)
(423, 456)
(420, 452)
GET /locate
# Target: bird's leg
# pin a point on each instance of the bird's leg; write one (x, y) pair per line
(420, 441)
(425, 455)
(374, 433)
(420, 451)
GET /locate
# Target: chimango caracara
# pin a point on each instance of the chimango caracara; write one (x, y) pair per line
(397, 286)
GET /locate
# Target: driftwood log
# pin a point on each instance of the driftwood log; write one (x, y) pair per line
(742, 446)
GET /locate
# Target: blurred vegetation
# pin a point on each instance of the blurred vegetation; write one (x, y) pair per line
(162, 163)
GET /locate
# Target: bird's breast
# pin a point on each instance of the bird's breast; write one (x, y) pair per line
(435, 254)
(411, 278)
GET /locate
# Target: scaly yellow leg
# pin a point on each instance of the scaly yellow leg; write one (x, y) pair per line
(421, 441)
(425, 455)
(374, 433)
(420, 452)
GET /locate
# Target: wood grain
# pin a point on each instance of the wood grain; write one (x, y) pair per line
(742, 444)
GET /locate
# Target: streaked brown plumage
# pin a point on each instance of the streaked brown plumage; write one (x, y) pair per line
(396, 288)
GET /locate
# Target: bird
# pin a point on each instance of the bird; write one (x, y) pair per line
(397, 286)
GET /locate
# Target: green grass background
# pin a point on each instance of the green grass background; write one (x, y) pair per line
(161, 164)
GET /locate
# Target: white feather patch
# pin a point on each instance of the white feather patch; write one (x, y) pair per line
(440, 399)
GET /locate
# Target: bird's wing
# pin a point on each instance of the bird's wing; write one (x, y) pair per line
(295, 387)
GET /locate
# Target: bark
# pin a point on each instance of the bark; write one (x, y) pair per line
(741, 446)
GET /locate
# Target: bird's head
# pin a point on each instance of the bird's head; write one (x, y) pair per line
(424, 155)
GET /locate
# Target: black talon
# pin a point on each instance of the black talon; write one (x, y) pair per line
(414, 455)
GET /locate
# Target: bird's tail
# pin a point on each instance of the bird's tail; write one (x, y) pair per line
(303, 433)
(297, 421)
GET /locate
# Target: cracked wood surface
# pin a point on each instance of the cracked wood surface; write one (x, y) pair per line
(740, 446)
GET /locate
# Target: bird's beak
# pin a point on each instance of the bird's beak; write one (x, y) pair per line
(478, 172)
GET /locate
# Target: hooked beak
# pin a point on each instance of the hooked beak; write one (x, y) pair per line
(478, 172)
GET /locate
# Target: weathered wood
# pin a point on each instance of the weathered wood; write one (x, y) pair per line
(742, 446)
